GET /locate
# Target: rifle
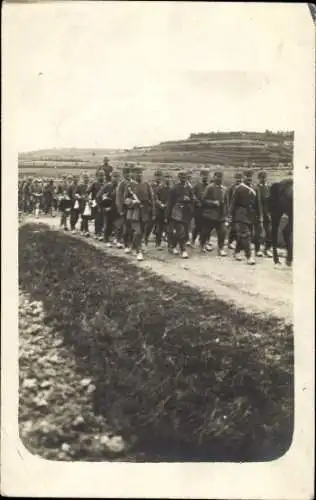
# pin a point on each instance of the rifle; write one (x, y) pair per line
(133, 195)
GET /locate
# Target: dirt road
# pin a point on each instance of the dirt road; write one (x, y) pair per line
(261, 289)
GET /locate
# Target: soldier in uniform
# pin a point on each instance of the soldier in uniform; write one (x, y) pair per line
(198, 190)
(65, 202)
(161, 194)
(140, 203)
(106, 198)
(97, 211)
(107, 169)
(122, 226)
(246, 209)
(179, 212)
(214, 212)
(263, 194)
(151, 226)
(74, 195)
(189, 225)
(37, 194)
(230, 192)
(26, 195)
(85, 205)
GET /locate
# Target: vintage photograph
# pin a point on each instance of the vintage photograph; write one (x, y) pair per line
(155, 231)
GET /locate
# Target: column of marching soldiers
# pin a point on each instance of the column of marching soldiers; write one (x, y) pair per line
(127, 210)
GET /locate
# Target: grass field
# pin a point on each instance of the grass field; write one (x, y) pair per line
(182, 375)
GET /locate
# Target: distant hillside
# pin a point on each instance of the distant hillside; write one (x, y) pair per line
(266, 149)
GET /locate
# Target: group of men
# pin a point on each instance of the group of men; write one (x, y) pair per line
(127, 210)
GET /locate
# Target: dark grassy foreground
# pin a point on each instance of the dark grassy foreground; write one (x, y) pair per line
(190, 376)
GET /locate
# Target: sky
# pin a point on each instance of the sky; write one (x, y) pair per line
(118, 75)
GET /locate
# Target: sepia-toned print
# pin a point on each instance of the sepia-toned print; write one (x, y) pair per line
(157, 180)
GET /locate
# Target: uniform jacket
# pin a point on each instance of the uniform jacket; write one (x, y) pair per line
(120, 190)
(84, 195)
(230, 192)
(214, 200)
(106, 196)
(161, 195)
(198, 191)
(244, 205)
(143, 210)
(180, 203)
(74, 195)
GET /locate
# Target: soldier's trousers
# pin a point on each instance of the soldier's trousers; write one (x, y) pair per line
(84, 224)
(108, 227)
(208, 226)
(127, 233)
(232, 233)
(178, 234)
(159, 227)
(148, 228)
(63, 218)
(138, 230)
(198, 225)
(267, 235)
(74, 216)
(243, 233)
(47, 203)
(98, 220)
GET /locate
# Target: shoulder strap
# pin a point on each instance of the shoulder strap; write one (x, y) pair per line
(248, 187)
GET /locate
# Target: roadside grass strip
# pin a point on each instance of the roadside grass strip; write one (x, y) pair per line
(178, 373)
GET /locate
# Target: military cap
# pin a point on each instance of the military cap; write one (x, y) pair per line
(248, 173)
(262, 173)
(158, 173)
(204, 171)
(238, 175)
(218, 173)
(182, 173)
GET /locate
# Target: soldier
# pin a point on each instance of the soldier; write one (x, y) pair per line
(97, 211)
(179, 211)
(245, 207)
(65, 202)
(26, 195)
(48, 192)
(263, 194)
(107, 169)
(106, 198)
(85, 205)
(230, 192)
(74, 195)
(214, 213)
(191, 211)
(37, 194)
(161, 194)
(122, 226)
(139, 199)
(151, 225)
(198, 190)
